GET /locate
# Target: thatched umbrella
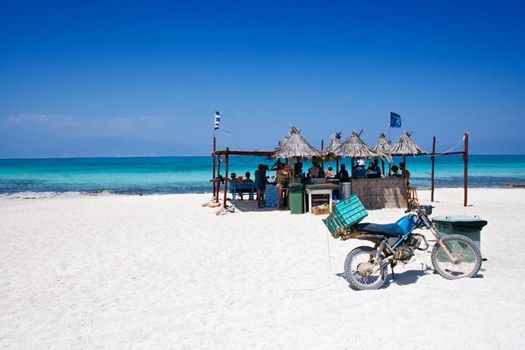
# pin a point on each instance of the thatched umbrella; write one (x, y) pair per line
(329, 152)
(405, 146)
(335, 143)
(383, 147)
(295, 146)
(355, 148)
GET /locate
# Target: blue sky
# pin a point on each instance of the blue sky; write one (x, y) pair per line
(111, 78)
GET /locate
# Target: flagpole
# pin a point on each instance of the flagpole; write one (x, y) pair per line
(213, 160)
(389, 126)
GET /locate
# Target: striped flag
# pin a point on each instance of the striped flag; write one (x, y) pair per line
(395, 120)
(217, 120)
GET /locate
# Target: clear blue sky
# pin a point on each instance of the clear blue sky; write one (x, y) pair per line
(110, 78)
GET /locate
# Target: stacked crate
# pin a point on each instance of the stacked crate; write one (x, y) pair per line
(346, 213)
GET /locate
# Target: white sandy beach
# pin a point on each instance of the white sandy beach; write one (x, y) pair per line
(159, 272)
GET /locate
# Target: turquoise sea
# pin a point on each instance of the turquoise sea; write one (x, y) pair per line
(192, 174)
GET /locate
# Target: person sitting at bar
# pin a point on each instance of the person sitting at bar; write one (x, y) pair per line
(376, 167)
(315, 170)
(329, 172)
(359, 170)
(372, 172)
(298, 170)
(247, 182)
(395, 171)
(342, 174)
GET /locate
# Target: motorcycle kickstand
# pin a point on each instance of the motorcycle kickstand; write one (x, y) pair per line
(393, 274)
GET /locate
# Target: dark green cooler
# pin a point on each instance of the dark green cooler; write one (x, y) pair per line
(469, 226)
(296, 198)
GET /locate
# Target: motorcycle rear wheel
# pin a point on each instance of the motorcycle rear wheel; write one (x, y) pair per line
(363, 271)
(466, 255)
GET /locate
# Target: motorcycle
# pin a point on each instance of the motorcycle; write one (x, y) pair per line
(453, 256)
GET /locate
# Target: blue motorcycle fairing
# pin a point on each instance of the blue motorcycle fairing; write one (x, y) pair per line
(400, 228)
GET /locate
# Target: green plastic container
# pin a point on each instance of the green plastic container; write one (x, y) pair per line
(296, 198)
(469, 226)
(346, 213)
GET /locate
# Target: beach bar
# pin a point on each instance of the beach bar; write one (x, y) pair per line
(375, 192)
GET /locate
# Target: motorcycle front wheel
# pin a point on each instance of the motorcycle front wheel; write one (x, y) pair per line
(464, 260)
(363, 271)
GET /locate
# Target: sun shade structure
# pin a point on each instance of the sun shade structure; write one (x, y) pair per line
(383, 147)
(354, 147)
(406, 146)
(335, 143)
(294, 145)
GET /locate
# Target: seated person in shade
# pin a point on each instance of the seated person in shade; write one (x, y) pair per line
(247, 178)
(395, 171)
(247, 181)
(359, 170)
(298, 170)
(372, 172)
(315, 170)
(376, 167)
(343, 173)
(329, 172)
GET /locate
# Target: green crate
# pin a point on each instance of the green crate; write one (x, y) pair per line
(346, 213)
(350, 211)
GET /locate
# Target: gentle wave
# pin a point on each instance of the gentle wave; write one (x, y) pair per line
(51, 194)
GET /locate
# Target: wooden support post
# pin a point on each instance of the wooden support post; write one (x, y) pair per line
(322, 160)
(404, 168)
(465, 172)
(383, 167)
(433, 159)
(352, 170)
(218, 189)
(226, 176)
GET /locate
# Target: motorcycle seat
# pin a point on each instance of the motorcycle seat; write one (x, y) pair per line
(388, 229)
(401, 227)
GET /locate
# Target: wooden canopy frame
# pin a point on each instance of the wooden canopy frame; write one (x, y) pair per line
(226, 154)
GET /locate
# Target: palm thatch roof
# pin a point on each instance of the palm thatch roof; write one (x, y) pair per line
(383, 147)
(355, 147)
(294, 145)
(406, 146)
(335, 143)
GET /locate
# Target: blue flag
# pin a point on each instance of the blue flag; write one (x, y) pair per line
(217, 120)
(395, 120)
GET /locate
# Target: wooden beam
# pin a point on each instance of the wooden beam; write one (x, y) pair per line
(226, 177)
(245, 153)
(218, 189)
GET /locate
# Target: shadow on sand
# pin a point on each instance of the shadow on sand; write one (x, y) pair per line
(250, 205)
